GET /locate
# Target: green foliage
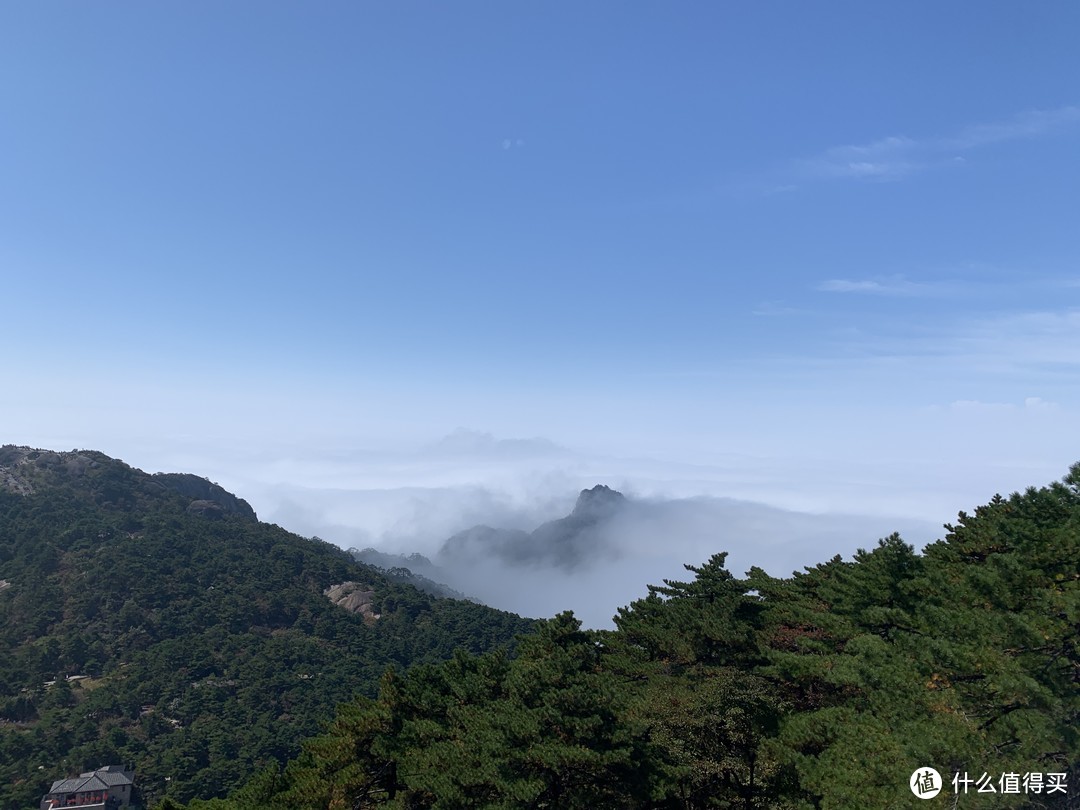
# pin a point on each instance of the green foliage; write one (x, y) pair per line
(544, 729)
(210, 648)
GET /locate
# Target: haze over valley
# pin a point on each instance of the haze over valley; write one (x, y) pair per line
(593, 559)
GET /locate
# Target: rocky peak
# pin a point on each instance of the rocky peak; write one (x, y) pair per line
(21, 468)
(597, 502)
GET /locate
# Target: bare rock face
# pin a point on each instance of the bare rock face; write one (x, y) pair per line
(355, 598)
(21, 467)
(13, 483)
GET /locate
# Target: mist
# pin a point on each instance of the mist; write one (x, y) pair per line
(651, 540)
(676, 514)
(778, 511)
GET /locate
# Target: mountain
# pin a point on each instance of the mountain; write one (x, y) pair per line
(474, 444)
(416, 563)
(152, 619)
(562, 543)
(873, 682)
(208, 499)
(411, 569)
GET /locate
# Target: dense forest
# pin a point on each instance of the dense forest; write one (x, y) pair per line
(827, 689)
(153, 620)
(210, 649)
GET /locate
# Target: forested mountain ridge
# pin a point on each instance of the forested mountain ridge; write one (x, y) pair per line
(24, 471)
(207, 641)
(827, 689)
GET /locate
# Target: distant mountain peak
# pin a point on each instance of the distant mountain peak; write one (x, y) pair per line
(463, 442)
(597, 502)
(566, 542)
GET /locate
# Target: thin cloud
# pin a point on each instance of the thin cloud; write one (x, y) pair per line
(886, 159)
(1030, 124)
(896, 285)
(1025, 337)
(1030, 404)
(985, 281)
(899, 156)
(1034, 346)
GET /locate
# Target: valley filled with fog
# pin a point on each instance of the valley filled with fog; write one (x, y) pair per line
(672, 515)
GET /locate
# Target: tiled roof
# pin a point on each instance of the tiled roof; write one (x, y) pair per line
(113, 778)
(80, 784)
(101, 779)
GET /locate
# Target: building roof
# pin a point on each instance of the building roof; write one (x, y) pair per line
(112, 778)
(128, 769)
(101, 779)
(80, 784)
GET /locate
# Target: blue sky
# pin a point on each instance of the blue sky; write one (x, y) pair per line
(839, 238)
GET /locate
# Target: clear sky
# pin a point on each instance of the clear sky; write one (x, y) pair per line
(839, 239)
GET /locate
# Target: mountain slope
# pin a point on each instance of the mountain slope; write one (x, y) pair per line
(208, 641)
